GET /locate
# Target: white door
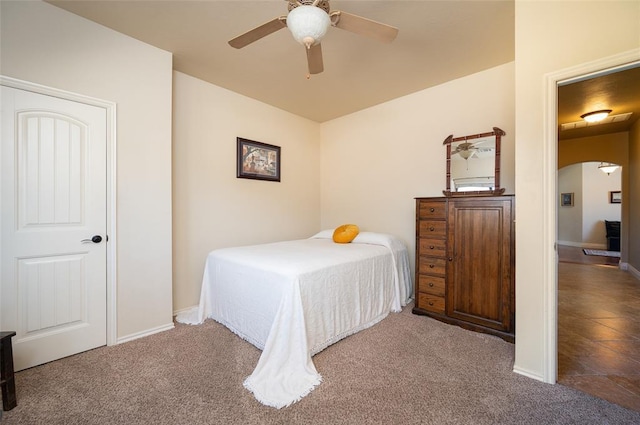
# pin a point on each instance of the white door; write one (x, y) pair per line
(53, 199)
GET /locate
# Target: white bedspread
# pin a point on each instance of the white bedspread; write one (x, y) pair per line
(293, 299)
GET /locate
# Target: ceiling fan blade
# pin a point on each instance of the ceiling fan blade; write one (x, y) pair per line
(465, 146)
(314, 59)
(363, 26)
(259, 32)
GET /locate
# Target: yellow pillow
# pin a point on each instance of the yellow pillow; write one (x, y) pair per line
(345, 233)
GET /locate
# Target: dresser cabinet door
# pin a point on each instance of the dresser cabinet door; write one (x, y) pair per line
(479, 256)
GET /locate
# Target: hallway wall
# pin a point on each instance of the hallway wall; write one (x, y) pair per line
(583, 223)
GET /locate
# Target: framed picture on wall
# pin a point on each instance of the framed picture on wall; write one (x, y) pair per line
(256, 160)
(566, 199)
(615, 197)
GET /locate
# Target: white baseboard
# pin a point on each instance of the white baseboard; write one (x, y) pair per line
(583, 245)
(144, 333)
(632, 270)
(528, 374)
(183, 310)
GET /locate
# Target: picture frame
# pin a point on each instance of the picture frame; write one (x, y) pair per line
(566, 199)
(615, 197)
(257, 160)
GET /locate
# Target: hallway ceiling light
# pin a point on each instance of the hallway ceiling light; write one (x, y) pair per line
(582, 123)
(596, 116)
(607, 167)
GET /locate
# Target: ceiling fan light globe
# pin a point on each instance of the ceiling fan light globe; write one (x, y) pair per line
(308, 24)
(466, 154)
(308, 42)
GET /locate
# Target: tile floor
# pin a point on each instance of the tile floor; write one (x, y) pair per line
(598, 328)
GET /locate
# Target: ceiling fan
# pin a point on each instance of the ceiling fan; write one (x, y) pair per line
(308, 21)
(469, 150)
(466, 150)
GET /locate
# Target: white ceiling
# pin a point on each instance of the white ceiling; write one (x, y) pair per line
(438, 41)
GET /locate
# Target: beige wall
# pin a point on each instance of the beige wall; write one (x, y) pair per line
(633, 258)
(46, 45)
(610, 148)
(582, 224)
(550, 37)
(570, 217)
(376, 161)
(595, 198)
(365, 168)
(213, 208)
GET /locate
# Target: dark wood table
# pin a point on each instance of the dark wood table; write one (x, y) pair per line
(7, 379)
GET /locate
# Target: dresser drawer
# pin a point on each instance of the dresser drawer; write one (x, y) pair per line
(432, 265)
(431, 303)
(431, 285)
(433, 228)
(432, 247)
(431, 209)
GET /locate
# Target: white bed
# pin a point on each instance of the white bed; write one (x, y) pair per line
(293, 299)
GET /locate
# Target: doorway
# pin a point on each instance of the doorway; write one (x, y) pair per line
(597, 332)
(57, 288)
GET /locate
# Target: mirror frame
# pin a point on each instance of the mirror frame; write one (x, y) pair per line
(498, 133)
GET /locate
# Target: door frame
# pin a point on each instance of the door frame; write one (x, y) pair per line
(550, 186)
(110, 112)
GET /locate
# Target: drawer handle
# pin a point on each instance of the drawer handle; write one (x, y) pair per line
(431, 246)
(432, 209)
(431, 284)
(431, 303)
(431, 228)
(431, 266)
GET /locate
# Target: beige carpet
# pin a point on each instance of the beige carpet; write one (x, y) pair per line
(406, 370)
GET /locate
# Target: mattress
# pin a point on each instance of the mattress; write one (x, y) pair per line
(293, 299)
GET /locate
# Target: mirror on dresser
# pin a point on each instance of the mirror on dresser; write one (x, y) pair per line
(473, 164)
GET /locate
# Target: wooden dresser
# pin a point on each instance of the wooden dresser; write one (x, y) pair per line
(465, 256)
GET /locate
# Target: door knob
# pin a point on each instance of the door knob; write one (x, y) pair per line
(94, 239)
